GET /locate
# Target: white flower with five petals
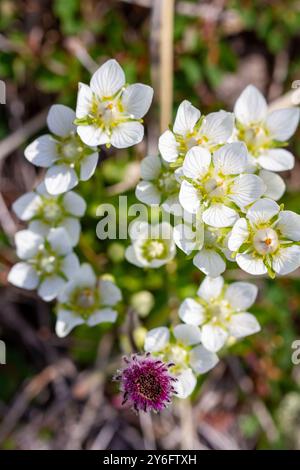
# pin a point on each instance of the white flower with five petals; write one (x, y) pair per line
(191, 130)
(182, 348)
(86, 299)
(266, 240)
(44, 211)
(152, 245)
(218, 185)
(109, 111)
(158, 185)
(263, 131)
(65, 156)
(220, 312)
(47, 262)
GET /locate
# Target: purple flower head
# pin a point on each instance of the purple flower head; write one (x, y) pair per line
(146, 383)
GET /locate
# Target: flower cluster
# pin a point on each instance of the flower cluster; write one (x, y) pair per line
(216, 173)
(219, 173)
(108, 112)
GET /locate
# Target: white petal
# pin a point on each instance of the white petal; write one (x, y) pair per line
(73, 228)
(92, 135)
(27, 243)
(37, 226)
(191, 312)
(131, 257)
(187, 334)
(231, 159)
(50, 288)
(84, 100)
(289, 225)
(88, 166)
(286, 260)
(219, 215)
(275, 186)
(186, 118)
(251, 264)
(42, 151)
(196, 162)
(23, 275)
(147, 193)
(262, 211)
(60, 120)
(243, 324)
(211, 288)
(70, 265)
(241, 295)
(189, 197)
(157, 339)
(282, 123)
(150, 168)
(251, 106)
(168, 146)
(85, 276)
(246, 189)
(209, 262)
(185, 384)
(66, 321)
(60, 178)
(108, 79)
(74, 204)
(127, 134)
(110, 294)
(26, 206)
(202, 360)
(213, 337)
(60, 241)
(277, 160)
(105, 315)
(218, 127)
(137, 99)
(238, 234)
(185, 238)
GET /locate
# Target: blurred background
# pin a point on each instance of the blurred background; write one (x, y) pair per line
(57, 393)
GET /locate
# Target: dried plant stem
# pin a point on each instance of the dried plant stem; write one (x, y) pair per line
(186, 424)
(166, 62)
(148, 431)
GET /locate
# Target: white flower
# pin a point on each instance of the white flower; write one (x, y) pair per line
(44, 211)
(215, 184)
(47, 262)
(67, 158)
(158, 185)
(183, 349)
(266, 240)
(189, 130)
(108, 111)
(208, 242)
(221, 311)
(262, 131)
(152, 245)
(86, 299)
